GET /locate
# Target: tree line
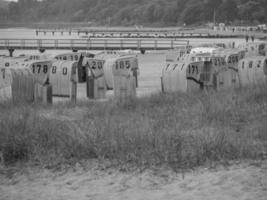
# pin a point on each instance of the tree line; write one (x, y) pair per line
(131, 12)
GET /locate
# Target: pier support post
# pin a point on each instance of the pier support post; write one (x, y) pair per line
(41, 50)
(143, 51)
(11, 52)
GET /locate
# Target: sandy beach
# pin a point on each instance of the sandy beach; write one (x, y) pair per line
(247, 181)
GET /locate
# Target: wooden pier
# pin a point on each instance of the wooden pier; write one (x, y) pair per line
(92, 44)
(113, 33)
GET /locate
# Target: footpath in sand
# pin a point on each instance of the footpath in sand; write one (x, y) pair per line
(243, 181)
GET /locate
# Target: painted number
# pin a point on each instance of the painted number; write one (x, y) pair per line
(123, 65)
(127, 64)
(233, 59)
(217, 61)
(250, 64)
(93, 64)
(99, 65)
(193, 70)
(3, 73)
(54, 69)
(37, 69)
(65, 71)
(45, 70)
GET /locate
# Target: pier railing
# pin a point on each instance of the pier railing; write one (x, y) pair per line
(93, 44)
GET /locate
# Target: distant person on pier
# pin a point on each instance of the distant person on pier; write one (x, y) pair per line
(247, 38)
(252, 38)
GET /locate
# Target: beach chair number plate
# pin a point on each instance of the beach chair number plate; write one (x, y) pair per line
(123, 65)
(37, 69)
(97, 65)
(64, 70)
(193, 71)
(3, 73)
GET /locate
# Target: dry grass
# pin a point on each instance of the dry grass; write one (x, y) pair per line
(178, 130)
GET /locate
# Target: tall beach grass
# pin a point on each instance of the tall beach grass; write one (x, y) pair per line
(178, 130)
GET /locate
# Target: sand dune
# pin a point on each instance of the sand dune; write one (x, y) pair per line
(243, 181)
